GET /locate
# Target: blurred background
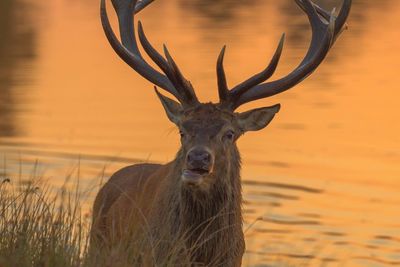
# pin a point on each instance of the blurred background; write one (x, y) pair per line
(321, 183)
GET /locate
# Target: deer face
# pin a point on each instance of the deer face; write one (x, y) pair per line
(208, 136)
(210, 130)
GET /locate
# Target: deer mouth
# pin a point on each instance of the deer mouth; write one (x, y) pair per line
(194, 176)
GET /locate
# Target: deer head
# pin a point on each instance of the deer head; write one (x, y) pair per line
(209, 131)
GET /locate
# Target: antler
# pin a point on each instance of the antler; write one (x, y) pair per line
(173, 81)
(325, 30)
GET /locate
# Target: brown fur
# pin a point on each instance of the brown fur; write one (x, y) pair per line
(190, 208)
(150, 202)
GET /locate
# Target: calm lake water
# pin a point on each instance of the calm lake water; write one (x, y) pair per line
(321, 183)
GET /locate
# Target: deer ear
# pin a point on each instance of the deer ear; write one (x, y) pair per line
(257, 119)
(172, 108)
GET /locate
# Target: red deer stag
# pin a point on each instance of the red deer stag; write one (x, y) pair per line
(197, 196)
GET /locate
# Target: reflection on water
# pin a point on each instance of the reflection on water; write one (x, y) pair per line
(17, 48)
(219, 12)
(321, 184)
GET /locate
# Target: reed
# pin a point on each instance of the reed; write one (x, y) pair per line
(43, 227)
(39, 227)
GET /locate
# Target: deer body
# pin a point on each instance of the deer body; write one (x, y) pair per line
(192, 205)
(150, 196)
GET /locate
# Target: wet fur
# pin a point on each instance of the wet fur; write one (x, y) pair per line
(211, 221)
(208, 219)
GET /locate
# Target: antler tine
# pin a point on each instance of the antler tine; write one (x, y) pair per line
(129, 51)
(151, 51)
(182, 85)
(184, 88)
(223, 90)
(342, 17)
(241, 88)
(125, 10)
(308, 7)
(340, 23)
(226, 96)
(133, 60)
(324, 32)
(316, 25)
(142, 4)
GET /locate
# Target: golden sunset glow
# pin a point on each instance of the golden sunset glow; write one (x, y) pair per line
(321, 184)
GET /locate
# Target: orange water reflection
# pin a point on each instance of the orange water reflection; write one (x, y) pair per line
(324, 177)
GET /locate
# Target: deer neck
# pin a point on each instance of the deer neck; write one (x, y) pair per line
(208, 219)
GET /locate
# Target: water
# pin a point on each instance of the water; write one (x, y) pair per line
(321, 183)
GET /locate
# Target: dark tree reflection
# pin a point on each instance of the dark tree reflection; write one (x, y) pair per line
(291, 20)
(218, 11)
(17, 47)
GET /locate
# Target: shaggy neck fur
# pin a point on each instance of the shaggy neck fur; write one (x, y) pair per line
(209, 222)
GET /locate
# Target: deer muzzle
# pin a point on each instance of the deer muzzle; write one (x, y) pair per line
(199, 163)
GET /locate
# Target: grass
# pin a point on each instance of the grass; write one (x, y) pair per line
(40, 228)
(43, 228)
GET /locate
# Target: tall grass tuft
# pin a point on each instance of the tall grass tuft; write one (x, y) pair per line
(39, 227)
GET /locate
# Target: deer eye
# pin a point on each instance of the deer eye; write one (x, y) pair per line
(229, 135)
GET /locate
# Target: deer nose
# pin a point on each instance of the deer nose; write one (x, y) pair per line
(199, 158)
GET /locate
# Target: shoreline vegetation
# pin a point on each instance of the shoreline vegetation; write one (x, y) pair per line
(41, 226)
